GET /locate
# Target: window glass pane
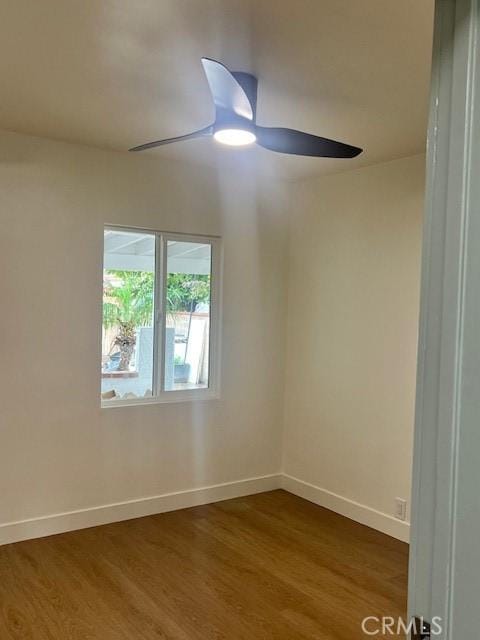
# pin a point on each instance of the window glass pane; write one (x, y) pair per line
(187, 329)
(128, 305)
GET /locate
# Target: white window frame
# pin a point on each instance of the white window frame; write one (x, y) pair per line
(160, 395)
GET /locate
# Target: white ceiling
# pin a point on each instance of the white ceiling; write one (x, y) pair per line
(115, 73)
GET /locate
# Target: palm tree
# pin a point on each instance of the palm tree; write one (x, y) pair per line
(127, 304)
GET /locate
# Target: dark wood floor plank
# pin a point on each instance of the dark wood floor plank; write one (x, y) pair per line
(265, 567)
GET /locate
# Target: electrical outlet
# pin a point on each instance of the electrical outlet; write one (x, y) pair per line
(400, 509)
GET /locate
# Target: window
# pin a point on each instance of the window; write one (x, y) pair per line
(160, 317)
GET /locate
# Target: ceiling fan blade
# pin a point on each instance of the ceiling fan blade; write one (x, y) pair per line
(158, 143)
(303, 144)
(228, 94)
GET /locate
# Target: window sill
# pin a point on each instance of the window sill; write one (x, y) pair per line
(169, 397)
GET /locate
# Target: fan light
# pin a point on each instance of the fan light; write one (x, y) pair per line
(235, 137)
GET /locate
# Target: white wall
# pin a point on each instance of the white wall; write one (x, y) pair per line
(355, 246)
(351, 336)
(59, 450)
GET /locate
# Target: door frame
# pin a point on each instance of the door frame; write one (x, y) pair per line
(438, 415)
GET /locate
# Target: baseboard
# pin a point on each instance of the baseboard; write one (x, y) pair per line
(349, 508)
(105, 514)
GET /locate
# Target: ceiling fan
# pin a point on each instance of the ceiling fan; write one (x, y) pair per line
(234, 94)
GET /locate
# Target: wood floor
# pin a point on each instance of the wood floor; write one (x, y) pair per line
(269, 566)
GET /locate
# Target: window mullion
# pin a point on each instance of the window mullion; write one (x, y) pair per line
(162, 278)
(158, 355)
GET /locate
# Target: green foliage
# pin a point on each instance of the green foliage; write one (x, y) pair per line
(130, 302)
(185, 291)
